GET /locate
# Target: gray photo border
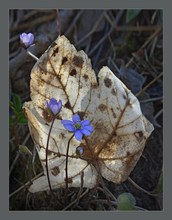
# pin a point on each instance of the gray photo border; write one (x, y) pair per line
(147, 4)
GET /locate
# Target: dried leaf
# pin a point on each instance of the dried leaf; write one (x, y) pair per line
(120, 129)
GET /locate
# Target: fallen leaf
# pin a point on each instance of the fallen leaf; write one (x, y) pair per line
(120, 129)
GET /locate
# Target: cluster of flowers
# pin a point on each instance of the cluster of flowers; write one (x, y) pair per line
(76, 125)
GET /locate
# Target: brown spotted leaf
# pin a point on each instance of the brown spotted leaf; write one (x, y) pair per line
(120, 129)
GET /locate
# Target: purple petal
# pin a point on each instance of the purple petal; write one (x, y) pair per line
(54, 106)
(53, 101)
(86, 132)
(47, 104)
(79, 150)
(78, 135)
(22, 35)
(69, 127)
(31, 38)
(66, 122)
(85, 122)
(59, 104)
(89, 128)
(54, 109)
(76, 118)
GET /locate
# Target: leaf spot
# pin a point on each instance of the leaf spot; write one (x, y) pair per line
(46, 116)
(55, 171)
(107, 82)
(81, 114)
(102, 107)
(94, 86)
(85, 76)
(64, 60)
(68, 105)
(113, 91)
(55, 51)
(69, 180)
(124, 96)
(73, 72)
(78, 61)
(113, 113)
(139, 135)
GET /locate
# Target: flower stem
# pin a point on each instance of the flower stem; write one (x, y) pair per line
(46, 156)
(67, 152)
(32, 55)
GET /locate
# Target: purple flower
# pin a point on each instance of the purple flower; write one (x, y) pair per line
(78, 127)
(27, 39)
(79, 150)
(54, 106)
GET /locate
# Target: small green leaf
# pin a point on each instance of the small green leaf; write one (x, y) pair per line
(23, 149)
(17, 102)
(132, 13)
(22, 119)
(126, 201)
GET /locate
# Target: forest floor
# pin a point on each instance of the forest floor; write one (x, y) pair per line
(130, 43)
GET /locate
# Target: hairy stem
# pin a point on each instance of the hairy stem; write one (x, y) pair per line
(32, 55)
(46, 157)
(67, 152)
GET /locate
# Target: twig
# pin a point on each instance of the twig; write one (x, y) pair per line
(103, 185)
(132, 28)
(92, 30)
(146, 43)
(26, 139)
(111, 195)
(119, 15)
(158, 114)
(81, 188)
(153, 46)
(18, 154)
(72, 203)
(14, 162)
(35, 22)
(74, 22)
(103, 201)
(148, 85)
(14, 38)
(140, 188)
(151, 99)
(35, 12)
(137, 28)
(25, 185)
